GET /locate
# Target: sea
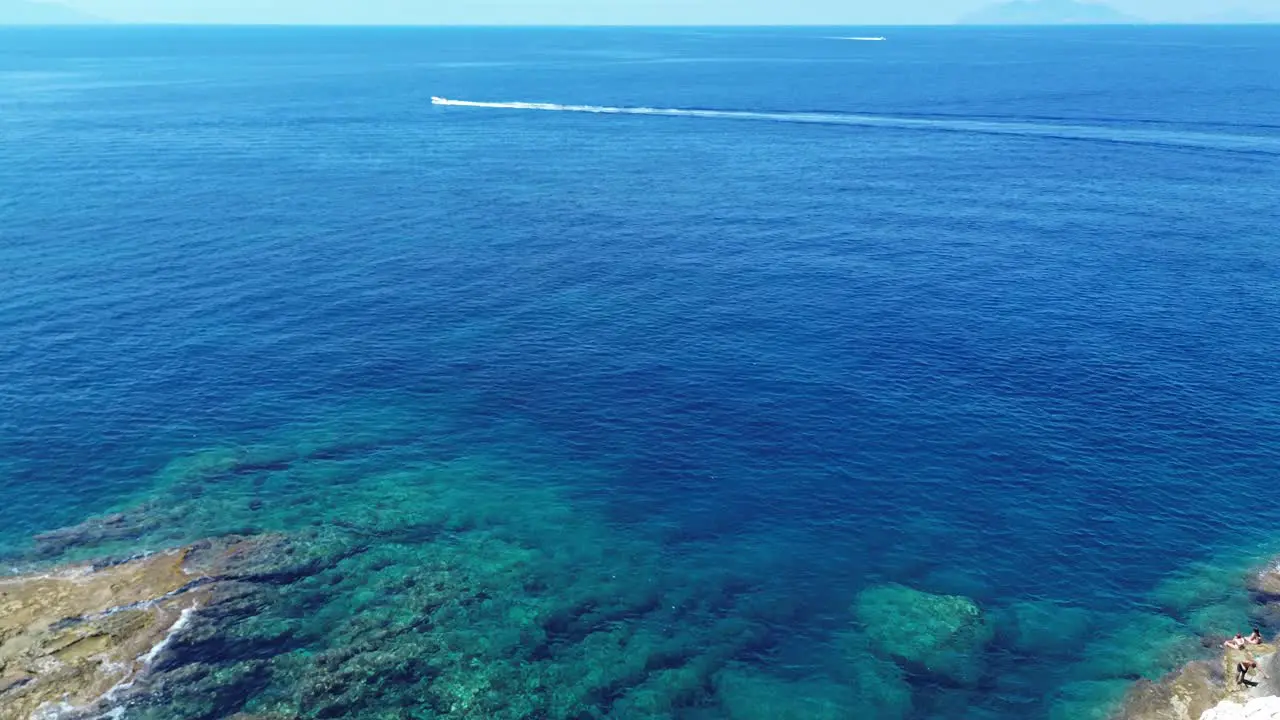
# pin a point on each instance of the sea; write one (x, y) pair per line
(731, 370)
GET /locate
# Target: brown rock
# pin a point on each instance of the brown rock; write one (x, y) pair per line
(78, 636)
(1183, 695)
(1197, 687)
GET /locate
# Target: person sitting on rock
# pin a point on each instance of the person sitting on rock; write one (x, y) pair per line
(1236, 643)
(1242, 669)
(1255, 638)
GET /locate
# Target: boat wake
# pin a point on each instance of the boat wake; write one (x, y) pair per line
(1233, 142)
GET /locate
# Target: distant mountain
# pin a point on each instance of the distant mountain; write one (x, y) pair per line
(29, 12)
(1242, 17)
(1048, 12)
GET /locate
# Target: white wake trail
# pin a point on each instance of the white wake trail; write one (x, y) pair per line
(1101, 133)
(606, 110)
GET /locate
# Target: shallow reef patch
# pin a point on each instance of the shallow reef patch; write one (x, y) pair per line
(381, 573)
(943, 636)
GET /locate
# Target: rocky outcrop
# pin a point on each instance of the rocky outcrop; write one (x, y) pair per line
(76, 641)
(1184, 695)
(1200, 686)
(1206, 690)
(1269, 675)
(75, 637)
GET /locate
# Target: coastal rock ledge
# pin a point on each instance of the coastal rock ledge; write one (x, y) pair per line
(1206, 689)
(77, 641)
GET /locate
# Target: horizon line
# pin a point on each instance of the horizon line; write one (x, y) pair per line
(587, 26)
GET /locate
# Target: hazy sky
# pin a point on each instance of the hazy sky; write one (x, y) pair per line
(620, 12)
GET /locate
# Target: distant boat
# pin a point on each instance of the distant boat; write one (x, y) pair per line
(865, 39)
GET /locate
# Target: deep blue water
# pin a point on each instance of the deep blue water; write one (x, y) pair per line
(996, 316)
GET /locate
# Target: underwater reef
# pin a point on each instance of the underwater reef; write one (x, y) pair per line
(307, 580)
(332, 573)
(324, 627)
(931, 634)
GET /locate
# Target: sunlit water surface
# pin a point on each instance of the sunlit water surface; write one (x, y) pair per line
(727, 326)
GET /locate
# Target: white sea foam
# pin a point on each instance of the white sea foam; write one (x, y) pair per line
(864, 39)
(53, 711)
(184, 619)
(72, 574)
(1269, 144)
(146, 659)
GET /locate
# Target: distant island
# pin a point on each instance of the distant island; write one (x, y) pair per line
(30, 12)
(1237, 16)
(1048, 12)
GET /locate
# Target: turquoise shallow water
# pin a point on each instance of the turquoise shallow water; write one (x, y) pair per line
(672, 399)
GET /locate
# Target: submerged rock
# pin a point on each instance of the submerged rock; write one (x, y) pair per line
(96, 531)
(744, 694)
(1141, 645)
(459, 589)
(938, 635)
(1264, 584)
(1088, 700)
(1039, 627)
(880, 685)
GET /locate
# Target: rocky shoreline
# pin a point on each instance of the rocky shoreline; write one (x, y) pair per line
(195, 631)
(83, 641)
(1206, 689)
